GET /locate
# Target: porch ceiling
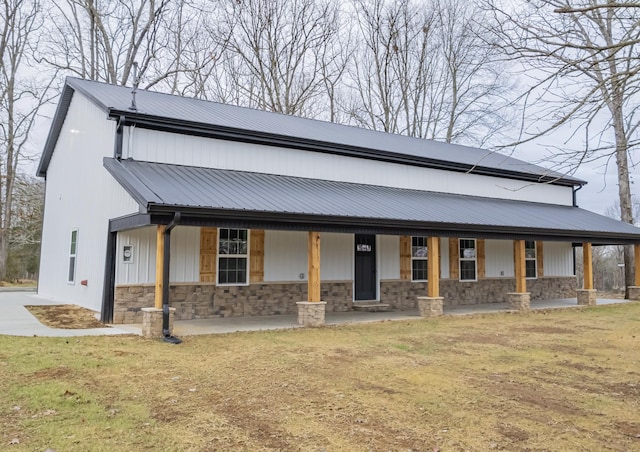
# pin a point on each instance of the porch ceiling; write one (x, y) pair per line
(215, 196)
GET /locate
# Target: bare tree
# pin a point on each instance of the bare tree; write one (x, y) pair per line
(26, 228)
(277, 53)
(584, 54)
(22, 93)
(102, 39)
(427, 70)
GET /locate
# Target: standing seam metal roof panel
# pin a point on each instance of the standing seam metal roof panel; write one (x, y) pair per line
(183, 187)
(258, 122)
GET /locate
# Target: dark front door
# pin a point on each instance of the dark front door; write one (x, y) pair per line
(365, 267)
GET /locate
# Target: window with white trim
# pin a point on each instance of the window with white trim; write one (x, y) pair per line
(419, 259)
(73, 257)
(233, 256)
(530, 259)
(467, 257)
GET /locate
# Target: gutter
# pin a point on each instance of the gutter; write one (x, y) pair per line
(165, 278)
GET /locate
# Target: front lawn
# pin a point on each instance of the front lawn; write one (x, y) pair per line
(556, 380)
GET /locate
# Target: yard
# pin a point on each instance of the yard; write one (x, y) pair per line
(561, 380)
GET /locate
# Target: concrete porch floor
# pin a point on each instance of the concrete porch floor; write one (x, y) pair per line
(16, 320)
(278, 322)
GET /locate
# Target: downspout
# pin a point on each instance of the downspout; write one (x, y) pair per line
(165, 277)
(117, 151)
(106, 315)
(575, 204)
(575, 198)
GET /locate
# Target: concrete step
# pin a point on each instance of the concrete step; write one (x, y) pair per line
(370, 306)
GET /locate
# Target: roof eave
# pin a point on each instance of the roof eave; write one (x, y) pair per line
(200, 216)
(56, 127)
(270, 139)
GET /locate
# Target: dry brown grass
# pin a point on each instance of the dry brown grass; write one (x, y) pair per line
(562, 380)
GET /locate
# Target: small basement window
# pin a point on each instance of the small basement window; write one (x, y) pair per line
(419, 260)
(233, 254)
(73, 255)
(468, 265)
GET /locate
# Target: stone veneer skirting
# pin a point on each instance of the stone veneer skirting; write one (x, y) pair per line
(402, 295)
(204, 301)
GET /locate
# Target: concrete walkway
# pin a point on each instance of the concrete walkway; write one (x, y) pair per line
(16, 320)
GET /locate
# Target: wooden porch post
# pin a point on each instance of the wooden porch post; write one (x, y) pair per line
(431, 305)
(520, 266)
(433, 266)
(311, 312)
(636, 253)
(313, 257)
(159, 265)
(520, 299)
(587, 258)
(587, 295)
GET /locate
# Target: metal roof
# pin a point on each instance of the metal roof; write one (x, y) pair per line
(275, 199)
(187, 115)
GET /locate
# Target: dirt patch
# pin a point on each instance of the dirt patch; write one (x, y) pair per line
(55, 373)
(480, 338)
(66, 317)
(533, 396)
(512, 432)
(583, 367)
(548, 330)
(631, 429)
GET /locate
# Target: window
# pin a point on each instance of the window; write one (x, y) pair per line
(73, 254)
(467, 260)
(233, 256)
(530, 259)
(419, 258)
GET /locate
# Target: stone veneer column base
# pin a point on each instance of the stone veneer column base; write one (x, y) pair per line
(519, 301)
(634, 293)
(586, 297)
(152, 322)
(311, 313)
(430, 306)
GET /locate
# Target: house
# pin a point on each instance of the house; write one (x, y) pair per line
(218, 210)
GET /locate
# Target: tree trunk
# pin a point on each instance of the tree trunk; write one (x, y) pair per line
(624, 190)
(4, 253)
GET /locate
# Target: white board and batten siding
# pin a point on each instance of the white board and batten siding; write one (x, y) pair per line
(82, 195)
(557, 259)
(285, 256)
(184, 265)
(165, 147)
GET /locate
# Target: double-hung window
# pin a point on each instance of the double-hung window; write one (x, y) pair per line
(419, 260)
(467, 257)
(73, 255)
(233, 256)
(530, 259)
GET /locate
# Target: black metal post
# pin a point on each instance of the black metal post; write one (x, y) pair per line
(165, 278)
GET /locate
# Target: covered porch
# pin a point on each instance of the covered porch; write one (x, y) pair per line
(172, 196)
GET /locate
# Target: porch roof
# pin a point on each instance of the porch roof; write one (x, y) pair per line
(207, 196)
